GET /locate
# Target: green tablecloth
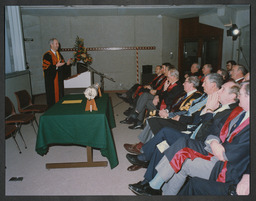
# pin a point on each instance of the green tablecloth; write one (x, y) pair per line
(71, 124)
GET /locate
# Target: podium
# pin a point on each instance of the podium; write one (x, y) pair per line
(78, 83)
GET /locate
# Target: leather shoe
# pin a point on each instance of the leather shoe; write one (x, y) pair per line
(137, 125)
(132, 148)
(134, 115)
(128, 111)
(127, 121)
(144, 189)
(134, 167)
(135, 161)
(139, 184)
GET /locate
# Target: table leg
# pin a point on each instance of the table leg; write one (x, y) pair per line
(89, 162)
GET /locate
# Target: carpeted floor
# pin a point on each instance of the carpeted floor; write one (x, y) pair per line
(37, 180)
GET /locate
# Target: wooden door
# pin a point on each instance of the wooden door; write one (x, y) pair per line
(199, 43)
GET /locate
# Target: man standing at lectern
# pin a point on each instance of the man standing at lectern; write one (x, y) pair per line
(54, 68)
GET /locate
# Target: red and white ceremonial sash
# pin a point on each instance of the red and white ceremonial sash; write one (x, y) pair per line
(224, 133)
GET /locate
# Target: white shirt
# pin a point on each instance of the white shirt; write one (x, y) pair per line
(191, 92)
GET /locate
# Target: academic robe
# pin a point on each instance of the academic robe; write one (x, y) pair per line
(167, 98)
(171, 135)
(54, 77)
(184, 102)
(237, 148)
(155, 83)
(157, 123)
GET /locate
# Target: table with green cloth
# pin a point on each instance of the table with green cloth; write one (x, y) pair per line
(65, 124)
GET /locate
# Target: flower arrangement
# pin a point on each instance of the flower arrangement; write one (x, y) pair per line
(81, 55)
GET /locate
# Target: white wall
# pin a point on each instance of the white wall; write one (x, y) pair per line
(170, 40)
(102, 31)
(115, 31)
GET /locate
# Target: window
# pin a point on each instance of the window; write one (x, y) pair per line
(14, 44)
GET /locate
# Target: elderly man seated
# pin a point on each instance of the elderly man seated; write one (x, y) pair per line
(223, 157)
(181, 119)
(222, 102)
(156, 99)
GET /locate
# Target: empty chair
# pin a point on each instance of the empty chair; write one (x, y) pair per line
(25, 104)
(11, 117)
(11, 131)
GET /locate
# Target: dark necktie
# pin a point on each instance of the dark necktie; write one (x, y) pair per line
(159, 80)
(179, 101)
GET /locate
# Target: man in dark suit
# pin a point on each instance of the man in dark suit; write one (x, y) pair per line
(222, 157)
(206, 120)
(238, 72)
(182, 118)
(137, 89)
(159, 99)
(199, 186)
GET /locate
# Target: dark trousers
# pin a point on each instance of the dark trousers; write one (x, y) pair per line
(151, 152)
(156, 124)
(199, 186)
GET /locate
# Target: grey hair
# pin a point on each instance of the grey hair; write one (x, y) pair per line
(246, 87)
(51, 41)
(174, 72)
(242, 68)
(194, 80)
(234, 90)
(224, 73)
(209, 66)
(216, 78)
(197, 65)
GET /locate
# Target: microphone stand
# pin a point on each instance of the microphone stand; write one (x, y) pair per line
(102, 76)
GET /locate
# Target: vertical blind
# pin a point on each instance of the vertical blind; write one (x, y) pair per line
(14, 43)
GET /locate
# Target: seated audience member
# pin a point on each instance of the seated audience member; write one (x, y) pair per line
(156, 82)
(128, 96)
(238, 72)
(194, 71)
(181, 106)
(224, 74)
(230, 64)
(211, 85)
(133, 97)
(207, 69)
(207, 119)
(199, 186)
(223, 157)
(160, 99)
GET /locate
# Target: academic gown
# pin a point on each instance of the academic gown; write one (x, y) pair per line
(157, 123)
(155, 83)
(237, 149)
(167, 98)
(54, 77)
(171, 135)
